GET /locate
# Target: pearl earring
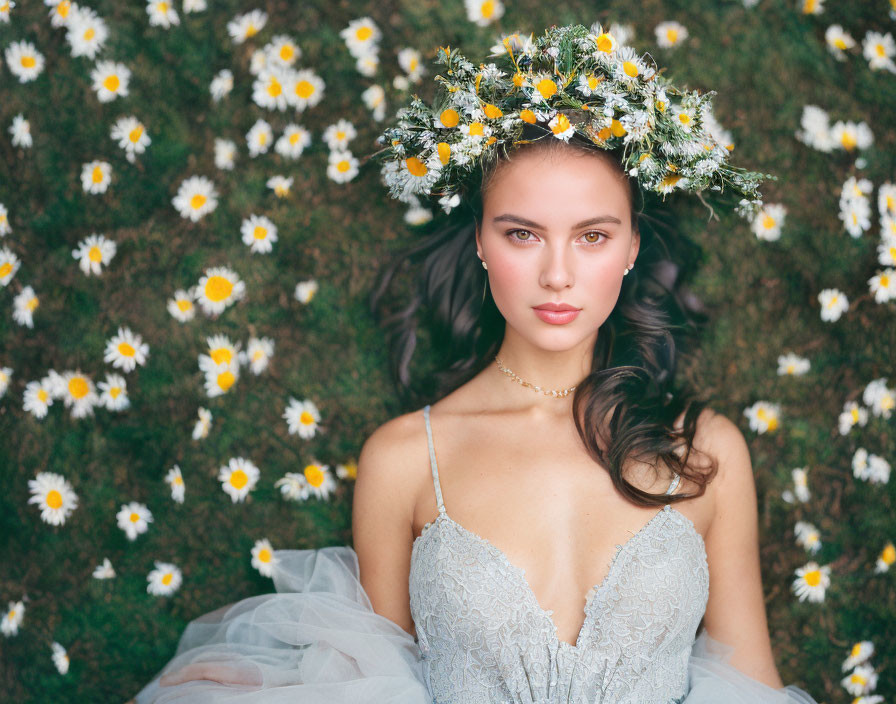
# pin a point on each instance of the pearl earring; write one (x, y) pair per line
(627, 269)
(484, 265)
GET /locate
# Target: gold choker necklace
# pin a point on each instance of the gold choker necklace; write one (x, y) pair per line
(546, 392)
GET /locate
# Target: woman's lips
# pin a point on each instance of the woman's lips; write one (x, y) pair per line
(556, 317)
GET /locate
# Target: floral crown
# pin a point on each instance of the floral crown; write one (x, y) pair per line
(573, 80)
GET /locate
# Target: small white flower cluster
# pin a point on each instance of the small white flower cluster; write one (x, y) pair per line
(278, 84)
(878, 398)
(855, 206)
(763, 416)
(807, 536)
(816, 132)
(221, 365)
(870, 467)
(21, 132)
(342, 165)
(316, 480)
(800, 491)
(362, 37)
(78, 390)
(411, 62)
(863, 679)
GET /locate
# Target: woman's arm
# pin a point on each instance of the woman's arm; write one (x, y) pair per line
(735, 612)
(382, 516)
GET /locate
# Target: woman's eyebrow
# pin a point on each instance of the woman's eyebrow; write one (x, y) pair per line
(519, 220)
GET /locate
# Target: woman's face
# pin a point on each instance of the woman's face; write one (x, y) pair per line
(556, 228)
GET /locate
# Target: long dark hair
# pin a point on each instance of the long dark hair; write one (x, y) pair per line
(626, 408)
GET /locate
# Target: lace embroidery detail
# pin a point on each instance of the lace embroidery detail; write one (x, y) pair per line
(484, 637)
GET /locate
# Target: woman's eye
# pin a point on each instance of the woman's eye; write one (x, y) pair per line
(513, 235)
(595, 235)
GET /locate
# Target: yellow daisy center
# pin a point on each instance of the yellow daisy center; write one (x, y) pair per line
(163, 7)
(813, 578)
(218, 288)
(197, 201)
(314, 475)
(90, 33)
(184, 305)
(222, 354)
(343, 166)
(43, 395)
(363, 33)
(96, 175)
(126, 349)
(166, 578)
(561, 125)
(839, 43)
(31, 304)
(293, 138)
(848, 140)
(77, 387)
(114, 391)
(134, 517)
(111, 82)
(684, 118)
(259, 232)
(604, 43)
(226, 379)
(251, 30)
(546, 87)
(304, 89)
(238, 479)
(879, 50)
(54, 499)
(274, 87)
(487, 8)
(444, 150)
(889, 554)
(5, 268)
(630, 68)
(672, 35)
(28, 62)
(94, 254)
(477, 129)
(415, 166)
(306, 418)
(264, 555)
(492, 111)
(768, 222)
(449, 117)
(286, 52)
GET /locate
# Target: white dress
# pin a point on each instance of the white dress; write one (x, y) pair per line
(481, 635)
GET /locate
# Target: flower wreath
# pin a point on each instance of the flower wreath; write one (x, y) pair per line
(571, 80)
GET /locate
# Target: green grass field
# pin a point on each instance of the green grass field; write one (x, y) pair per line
(765, 63)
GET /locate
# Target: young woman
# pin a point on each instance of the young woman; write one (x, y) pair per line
(565, 524)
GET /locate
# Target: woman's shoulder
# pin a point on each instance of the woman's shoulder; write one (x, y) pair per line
(396, 448)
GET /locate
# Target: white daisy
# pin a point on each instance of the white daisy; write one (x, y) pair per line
(792, 365)
(175, 479)
(348, 471)
(24, 61)
(342, 166)
(203, 425)
(221, 351)
(259, 138)
(258, 354)
(861, 681)
(5, 375)
(21, 132)
(361, 36)
(293, 141)
(670, 34)
(853, 414)
(218, 288)
(811, 581)
(411, 62)
(181, 307)
(801, 492)
(851, 136)
(5, 229)
(339, 134)
(838, 41)
(855, 213)
(833, 304)
(279, 184)
(114, 393)
(24, 305)
(194, 6)
(61, 12)
(164, 580)
(767, 223)
(78, 393)
(293, 486)
(54, 496)
(305, 89)
(259, 61)
(259, 233)
(221, 84)
(812, 7)
(110, 80)
(859, 653)
(246, 25)
(763, 416)
(268, 89)
(305, 290)
(162, 13)
(561, 127)
(807, 536)
(879, 49)
(96, 176)
(886, 200)
(238, 478)
(302, 417)
(879, 398)
(5, 7)
(225, 154)
(9, 265)
(220, 378)
(484, 12)
(883, 285)
(93, 252)
(104, 571)
(886, 558)
(418, 215)
(374, 98)
(195, 197)
(126, 350)
(60, 658)
(134, 518)
(320, 480)
(130, 134)
(815, 129)
(12, 619)
(283, 51)
(87, 32)
(367, 64)
(878, 471)
(263, 558)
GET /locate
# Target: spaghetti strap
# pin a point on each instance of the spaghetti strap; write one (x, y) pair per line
(432, 461)
(674, 485)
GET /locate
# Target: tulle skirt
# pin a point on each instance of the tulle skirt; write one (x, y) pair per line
(317, 639)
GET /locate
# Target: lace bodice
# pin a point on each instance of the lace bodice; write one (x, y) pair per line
(484, 638)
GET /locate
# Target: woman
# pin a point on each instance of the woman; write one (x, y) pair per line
(560, 525)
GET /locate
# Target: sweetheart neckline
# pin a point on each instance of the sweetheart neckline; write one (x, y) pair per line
(593, 592)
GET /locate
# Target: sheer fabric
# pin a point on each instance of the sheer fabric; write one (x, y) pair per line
(481, 635)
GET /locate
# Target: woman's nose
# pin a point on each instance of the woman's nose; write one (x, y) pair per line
(557, 267)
